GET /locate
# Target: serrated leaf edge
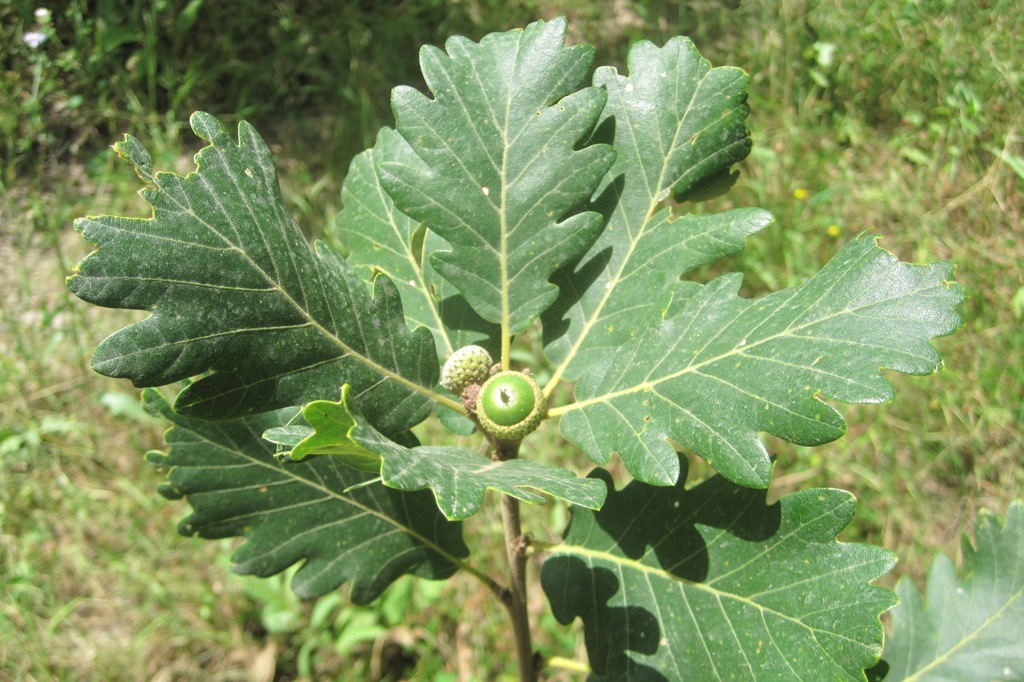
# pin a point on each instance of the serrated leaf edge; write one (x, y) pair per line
(990, 520)
(209, 128)
(790, 331)
(648, 219)
(575, 550)
(157, 400)
(390, 475)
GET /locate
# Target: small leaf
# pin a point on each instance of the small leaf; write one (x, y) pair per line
(502, 174)
(234, 287)
(380, 238)
(677, 125)
(720, 369)
(300, 512)
(459, 477)
(969, 629)
(712, 583)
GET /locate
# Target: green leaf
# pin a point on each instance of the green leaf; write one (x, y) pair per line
(313, 512)
(502, 176)
(720, 369)
(676, 124)
(234, 287)
(712, 583)
(380, 238)
(969, 629)
(458, 477)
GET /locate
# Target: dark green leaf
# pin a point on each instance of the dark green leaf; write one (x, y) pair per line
(720, 369)
(316, 512)
(676, 123)
(711, 583)
(459, 477)
(380, 238)
(501, 177)
(971, 628)
(233, 287)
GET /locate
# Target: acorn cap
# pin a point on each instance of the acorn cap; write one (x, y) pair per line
(510, 406)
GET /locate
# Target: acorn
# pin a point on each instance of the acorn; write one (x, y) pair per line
(510, 406)
(466, 366)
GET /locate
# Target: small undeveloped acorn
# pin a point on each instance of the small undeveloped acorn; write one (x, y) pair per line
(468, 365)
(510, 405)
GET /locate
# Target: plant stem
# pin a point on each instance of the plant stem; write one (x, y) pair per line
(515, 548)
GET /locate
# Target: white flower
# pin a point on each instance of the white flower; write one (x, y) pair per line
(42, 14)
(34, 39)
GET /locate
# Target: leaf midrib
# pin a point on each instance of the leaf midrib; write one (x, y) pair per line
(276, 286)
(632, 564)
(652, 206)
(329, 493)
(790, 331)
(977, 632)
(415, 263)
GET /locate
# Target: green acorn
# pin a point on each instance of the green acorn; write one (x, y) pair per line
(468, 365)
(510, 405)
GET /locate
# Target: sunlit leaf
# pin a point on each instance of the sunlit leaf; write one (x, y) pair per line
(969, 628)
(502, 176)
(233, 287)
(380, 238)
(675, 123)
(720, 369)
(712, 583)
(459, 477)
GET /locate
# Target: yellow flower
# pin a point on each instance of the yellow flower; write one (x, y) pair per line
(834, 230)
(800, 194)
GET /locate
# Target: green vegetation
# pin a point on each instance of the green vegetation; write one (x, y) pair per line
(907, 120)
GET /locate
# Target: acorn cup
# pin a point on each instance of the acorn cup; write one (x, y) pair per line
(510, 406)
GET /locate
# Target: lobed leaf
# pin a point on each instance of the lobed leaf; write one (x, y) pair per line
(712, 583)
(317, 512)
(382, 239)
(675, 123)
(502, 175)
(458, 477)
(719, 369)
(237, 295)
(971, 628)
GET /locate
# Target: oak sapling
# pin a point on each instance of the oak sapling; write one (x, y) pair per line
(524, 193)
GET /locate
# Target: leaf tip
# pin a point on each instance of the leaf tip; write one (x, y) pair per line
(208, 127)
(132, 151)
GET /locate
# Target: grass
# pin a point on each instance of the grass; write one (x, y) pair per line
(91, 579)
(908, 138)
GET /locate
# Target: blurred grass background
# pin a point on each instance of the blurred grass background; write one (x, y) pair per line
(904, 117)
